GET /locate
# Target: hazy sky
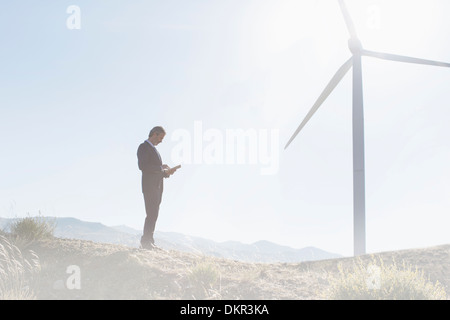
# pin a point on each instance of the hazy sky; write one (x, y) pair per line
(83, 82)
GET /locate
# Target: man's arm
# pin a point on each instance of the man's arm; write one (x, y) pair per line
(148, 161)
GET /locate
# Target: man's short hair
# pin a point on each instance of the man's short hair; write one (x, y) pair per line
(157, 130)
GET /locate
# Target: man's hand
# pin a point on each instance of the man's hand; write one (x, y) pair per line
(168, 170)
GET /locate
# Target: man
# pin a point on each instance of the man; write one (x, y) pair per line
(153, 172)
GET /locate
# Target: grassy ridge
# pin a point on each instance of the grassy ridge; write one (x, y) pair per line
(107, 271)
(36, 265)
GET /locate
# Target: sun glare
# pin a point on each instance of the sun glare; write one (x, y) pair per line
(396, 26)
(280, 24)
(399, 26)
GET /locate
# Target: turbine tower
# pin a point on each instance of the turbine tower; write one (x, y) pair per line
(357, 50)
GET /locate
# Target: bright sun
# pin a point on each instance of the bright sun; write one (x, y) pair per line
(396, 26)
(382, 25)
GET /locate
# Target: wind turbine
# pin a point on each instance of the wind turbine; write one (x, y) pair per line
(357, 50)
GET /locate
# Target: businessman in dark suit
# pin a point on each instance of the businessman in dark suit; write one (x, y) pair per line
(153, 173)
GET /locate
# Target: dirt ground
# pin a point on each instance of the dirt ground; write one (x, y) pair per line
(79, 269)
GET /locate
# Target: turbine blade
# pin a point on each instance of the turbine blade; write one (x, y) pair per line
(348, 20)
(394, 57)
(323, 96)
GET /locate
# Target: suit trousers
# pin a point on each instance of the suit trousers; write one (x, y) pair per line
(152, 201)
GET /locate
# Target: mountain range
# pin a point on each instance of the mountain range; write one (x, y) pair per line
(260, 251)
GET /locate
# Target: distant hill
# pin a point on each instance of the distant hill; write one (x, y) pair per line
(261, 251)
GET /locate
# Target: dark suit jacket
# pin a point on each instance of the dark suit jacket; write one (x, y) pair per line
(150, 164)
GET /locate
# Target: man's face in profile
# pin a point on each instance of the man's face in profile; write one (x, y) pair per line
(158, 138)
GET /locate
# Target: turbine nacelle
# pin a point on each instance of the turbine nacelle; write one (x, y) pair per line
(355, 46)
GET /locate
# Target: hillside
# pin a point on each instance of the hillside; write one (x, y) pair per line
(261, 251)
(108, 271)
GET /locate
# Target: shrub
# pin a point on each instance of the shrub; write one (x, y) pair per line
(204, 273)
(202, 278)
(378, 281)
(30, 229)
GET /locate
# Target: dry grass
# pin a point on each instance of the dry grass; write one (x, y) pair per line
(379, 281)
(118, 272)
(16, 272)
